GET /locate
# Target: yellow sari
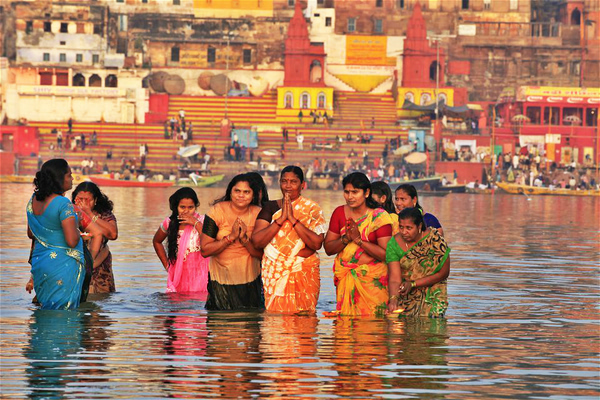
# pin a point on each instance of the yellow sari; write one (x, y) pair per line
(362, 288)
(291, 283)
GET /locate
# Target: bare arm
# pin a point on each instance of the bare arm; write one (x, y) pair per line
(109, 228)
(376, 250)
(29, 233)
(211, 247)
(333, 243)
(395, 279)
(157, 243)
(70, 231)
(263, 233)
(310, 239)
(97, 239)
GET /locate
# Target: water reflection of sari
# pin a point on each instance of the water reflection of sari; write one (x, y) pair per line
(58, 270)
(362, 288)
(424, 258)
(292, 283)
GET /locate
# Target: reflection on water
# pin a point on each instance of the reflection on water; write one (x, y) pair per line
(523, 318)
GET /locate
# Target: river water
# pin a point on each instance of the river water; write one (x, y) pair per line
(523, 320)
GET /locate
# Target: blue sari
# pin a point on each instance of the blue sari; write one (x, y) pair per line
(58, 270)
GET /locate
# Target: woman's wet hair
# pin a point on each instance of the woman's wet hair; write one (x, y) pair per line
(248, 178)
(412, 192)
(380, 188)
(173, 230)
(294, 170)
(258, 187)
(103, 204)
(360, 181)
(415, 215)
(50, 178)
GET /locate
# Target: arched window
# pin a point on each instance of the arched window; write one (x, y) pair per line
(288, 100)
(146, 82)
(305, 100)
(432, 70)
(425, 99)
(95, 81)
(576, 17)
(410, 97)
(110, 81)
(321, 100)
(78, 80)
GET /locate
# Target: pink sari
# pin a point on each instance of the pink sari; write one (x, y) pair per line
(189, 272)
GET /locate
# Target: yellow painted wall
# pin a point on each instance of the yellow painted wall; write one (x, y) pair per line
(417, 92)
(297, 93)
(233, 8)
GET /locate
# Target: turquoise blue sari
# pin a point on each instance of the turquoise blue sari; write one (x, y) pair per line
(58, 270)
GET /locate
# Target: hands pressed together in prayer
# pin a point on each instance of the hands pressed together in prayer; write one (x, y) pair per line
(239, 231)
(352, 233)
(287, 212)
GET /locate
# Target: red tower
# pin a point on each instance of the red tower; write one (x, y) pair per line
(304, 63)
(420, 59)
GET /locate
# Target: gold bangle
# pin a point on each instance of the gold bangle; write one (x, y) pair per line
(413, 284)
(95, 218)
(394, 297)
(360, 242)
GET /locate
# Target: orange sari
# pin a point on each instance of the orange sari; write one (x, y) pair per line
(362, 289)
(291, 283)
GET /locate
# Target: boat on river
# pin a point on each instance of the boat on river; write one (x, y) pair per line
(103, 181)
(452, 188)
(514, 188)
(419, 184)
(201, 180)
(77, 178)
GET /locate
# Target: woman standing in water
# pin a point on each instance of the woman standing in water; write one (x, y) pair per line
(290, 231)
(96, 207)
(359, 233)
(406, 196)
(187, 269)
(419, 263)
(234, 268)
(57, 258)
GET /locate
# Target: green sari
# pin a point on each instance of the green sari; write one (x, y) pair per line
(424, 258)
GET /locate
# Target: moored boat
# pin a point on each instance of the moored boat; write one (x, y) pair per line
(514, 188)
(103, 181)
(419, 184)
(201, 180)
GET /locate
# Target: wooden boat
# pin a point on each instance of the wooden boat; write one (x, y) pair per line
(324, 180)
(479, 191)
(433, 193)
(419, 184)
(514, 188)
(103, 181)
(452, 188)
(16, 179)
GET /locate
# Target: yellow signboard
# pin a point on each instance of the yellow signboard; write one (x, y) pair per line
(192, 59)
(557, 91)
(367, 50)
(81, 91)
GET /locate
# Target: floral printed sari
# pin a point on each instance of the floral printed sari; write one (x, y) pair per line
(362, 288)
(291, 283)
(58, 270)
(424, 258)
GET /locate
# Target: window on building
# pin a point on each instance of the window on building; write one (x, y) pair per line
(351, 24)
(305, 100)
(62, 43)
(551, 115)
(62, 57)
(378, 26)
(321, 100)
(514, 4)
(110, 81)
(433, 71)
(288, 100)
(79, 58)
(591, 117)
(465, 4)
(95, 58)
(145, 1)
(575, 68)
(47, 26)
(175, 54)
(534, 114)
(571, 115)
(122, 23)
(247, 56)
(80, 28)
(62, 79)
(211, 55)
(400, 4)
(120, 1)
(46, 56)
(378, 3)
(327, 21)
(46, 78)
(487, 4)
(176, 2)
(78, 80)
(64, 27)
(97, 29)
(95, 81)
(291, 3)
(28, 27)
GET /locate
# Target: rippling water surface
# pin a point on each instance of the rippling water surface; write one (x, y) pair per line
(523, 320)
